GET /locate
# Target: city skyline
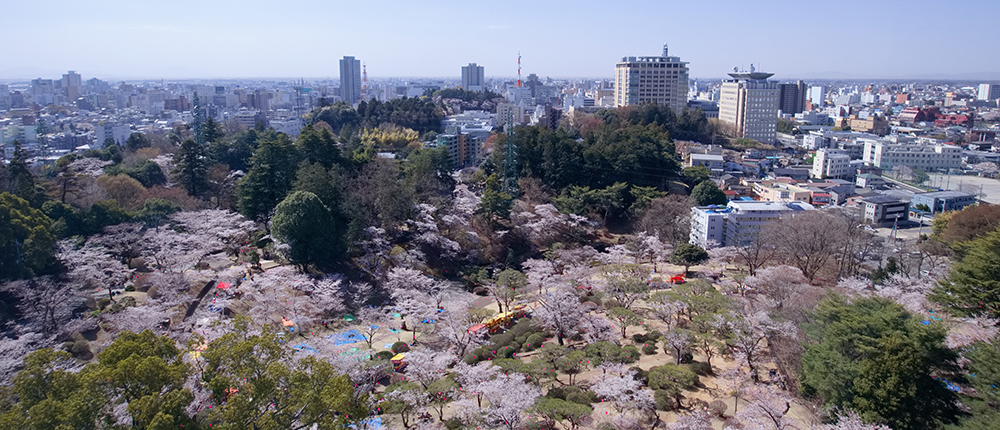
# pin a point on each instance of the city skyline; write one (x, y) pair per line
(581, 39)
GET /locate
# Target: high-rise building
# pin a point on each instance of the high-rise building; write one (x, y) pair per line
(817, 95)
(71, 84)
(989, 92)
(749, 104)
(350, 80)
(4, 97)
(473, 77)
(662, 80)
(793, 97)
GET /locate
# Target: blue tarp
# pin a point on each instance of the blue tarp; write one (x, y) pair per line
(347, 337)
(304, 347)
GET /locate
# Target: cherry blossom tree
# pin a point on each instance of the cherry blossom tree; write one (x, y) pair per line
(666, 307)
(453, 325)
(624, 392)
(748, 334)
(696, 420)
(677, 340)
(777, 283)
(966, 331)
(472, 378)
(509, 396)
(425, 366)
(851, 421)
(626, 284)
(766, 408)
(373, 321)
(560, 312)
(735, 381)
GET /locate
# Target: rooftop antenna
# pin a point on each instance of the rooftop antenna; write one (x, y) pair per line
(364, 81)
(519, 69)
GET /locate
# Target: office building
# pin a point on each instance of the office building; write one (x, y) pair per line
(509, 113)
(4, 97)
(885, 210)
(350, 80)
(473, 77)
(940, 201)
(817, 95)
(886, 155)
(989, 92)
(739, 223)
(832, 164)
(72, 82)
(749, 104)
(662, 80)
(792, 97)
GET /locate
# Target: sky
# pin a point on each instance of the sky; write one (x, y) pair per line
(877, 39)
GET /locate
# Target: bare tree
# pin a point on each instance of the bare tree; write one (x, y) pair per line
(45, 301)
(668, 218)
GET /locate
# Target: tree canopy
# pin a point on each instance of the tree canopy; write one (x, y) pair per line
(877, 359)
(304, 223)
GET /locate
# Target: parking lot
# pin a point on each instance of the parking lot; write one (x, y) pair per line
(971, 184)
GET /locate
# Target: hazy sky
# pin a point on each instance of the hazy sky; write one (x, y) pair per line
(581, 38)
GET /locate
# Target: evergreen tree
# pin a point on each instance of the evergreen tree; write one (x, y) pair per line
(875, 358)
(973, 286)
(136, 141)
(269, 179)
(305, 224)
(318, 146)
(707, 193)
(26, 243)
(688, 255)
(191, 167)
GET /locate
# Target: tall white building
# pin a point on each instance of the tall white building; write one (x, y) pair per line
(749, 104)
(832, 164)
(350, 80)
(817, 95)
(473, 77)
(662, 80)
(989, 92)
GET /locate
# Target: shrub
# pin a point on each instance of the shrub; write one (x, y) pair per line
(103, 303)
(479, 354)
(130, 288)
(534, 341)
(654, 336)
(640, 375)
(629, 354)
(556, 393)
(399, 347)
(664, 400)
(454, 424)
(506, 351)
(582, 397)
(649, 349)
(81, 350)
(522, 328)
(122, 303)
(639, 338)
(717, 408)
(502, 339)
(383, 355)
(699, 368)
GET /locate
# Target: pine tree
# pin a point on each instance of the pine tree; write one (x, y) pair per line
(191, 167)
